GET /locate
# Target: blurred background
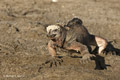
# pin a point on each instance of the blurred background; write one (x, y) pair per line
(23, 38)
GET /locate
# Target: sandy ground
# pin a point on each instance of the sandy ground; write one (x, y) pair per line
(23, 41)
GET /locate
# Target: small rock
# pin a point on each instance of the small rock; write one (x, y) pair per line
(54, 0)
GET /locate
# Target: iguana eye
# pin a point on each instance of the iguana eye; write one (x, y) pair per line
(55, 30)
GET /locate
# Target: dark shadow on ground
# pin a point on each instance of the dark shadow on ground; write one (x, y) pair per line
(100, 63)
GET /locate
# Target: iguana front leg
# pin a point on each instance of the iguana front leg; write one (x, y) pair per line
(86, 56)
(54, 60)
(52, 48)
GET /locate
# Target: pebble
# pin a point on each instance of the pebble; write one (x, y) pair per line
(54, 0)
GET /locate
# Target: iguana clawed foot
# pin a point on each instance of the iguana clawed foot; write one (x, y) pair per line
(86, 58)
(54, 61)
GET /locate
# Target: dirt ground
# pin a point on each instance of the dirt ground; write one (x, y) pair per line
(23, 41)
